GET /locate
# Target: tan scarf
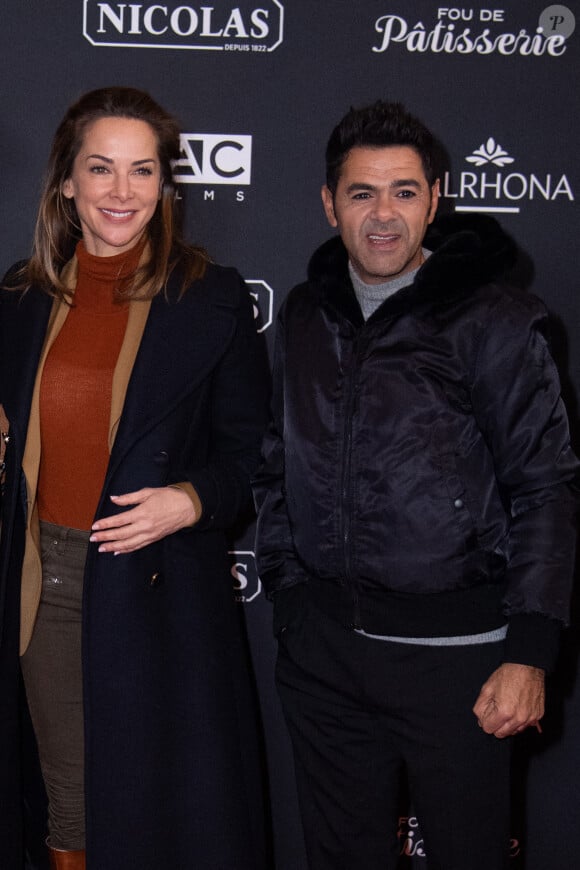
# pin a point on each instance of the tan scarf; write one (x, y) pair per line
(4, 439)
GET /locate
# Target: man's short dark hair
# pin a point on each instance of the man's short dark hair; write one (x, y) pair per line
(378, 126)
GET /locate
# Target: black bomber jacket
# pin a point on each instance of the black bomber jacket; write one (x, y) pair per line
(418, 474)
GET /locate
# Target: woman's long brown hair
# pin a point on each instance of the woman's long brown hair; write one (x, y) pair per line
(57, 225)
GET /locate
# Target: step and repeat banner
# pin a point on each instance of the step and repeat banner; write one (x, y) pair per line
(257, 86)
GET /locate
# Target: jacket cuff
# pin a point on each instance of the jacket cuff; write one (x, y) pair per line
(191, 492)
(282, 578)
(533, 640)
(205, 485)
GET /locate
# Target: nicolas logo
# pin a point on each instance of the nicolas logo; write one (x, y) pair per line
(221, 26)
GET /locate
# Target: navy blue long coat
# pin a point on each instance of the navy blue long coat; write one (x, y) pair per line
(171, 779)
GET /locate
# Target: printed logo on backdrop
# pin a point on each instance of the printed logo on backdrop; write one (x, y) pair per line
(214, 159)
(411, 843)
(243, 26)
(410, 839)
(247, 584)
(496, 185)
(458, 30)
(263, 303)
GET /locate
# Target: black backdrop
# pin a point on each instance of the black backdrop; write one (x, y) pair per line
(257, 86)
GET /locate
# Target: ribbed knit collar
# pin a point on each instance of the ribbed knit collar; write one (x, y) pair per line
(99, 279)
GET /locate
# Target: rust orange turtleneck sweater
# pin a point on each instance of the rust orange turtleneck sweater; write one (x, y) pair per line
(75, 392)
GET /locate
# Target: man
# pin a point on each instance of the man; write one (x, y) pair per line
(416, 525)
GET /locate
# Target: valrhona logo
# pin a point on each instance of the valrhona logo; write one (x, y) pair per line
(247, 26)
(478, 31)
(494, 185)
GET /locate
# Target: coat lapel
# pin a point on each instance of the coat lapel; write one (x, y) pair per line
(180, 345)
(30, 327)
(23, 335)
(138, 315)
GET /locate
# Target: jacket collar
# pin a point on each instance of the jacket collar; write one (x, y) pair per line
(469, 251)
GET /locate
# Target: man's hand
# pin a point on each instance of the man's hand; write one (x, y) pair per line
(155, 513)
(511, 700)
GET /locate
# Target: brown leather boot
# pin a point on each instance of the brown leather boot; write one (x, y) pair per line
(62, 860)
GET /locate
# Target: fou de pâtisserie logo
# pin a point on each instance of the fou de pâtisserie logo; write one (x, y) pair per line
(468, 31)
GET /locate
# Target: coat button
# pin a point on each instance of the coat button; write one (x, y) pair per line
(156, 578)
(458, 503)
(161, 458)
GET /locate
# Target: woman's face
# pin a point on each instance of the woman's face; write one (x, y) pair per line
(115, 184)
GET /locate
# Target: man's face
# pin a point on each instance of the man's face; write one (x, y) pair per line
(382, 207)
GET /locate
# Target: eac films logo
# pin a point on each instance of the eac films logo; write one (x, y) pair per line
(247, 584)
(214, 158)
(247, 26)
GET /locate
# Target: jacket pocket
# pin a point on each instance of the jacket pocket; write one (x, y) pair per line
(454, 490)
(289, 608)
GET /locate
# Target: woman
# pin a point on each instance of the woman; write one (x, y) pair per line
(134, 388)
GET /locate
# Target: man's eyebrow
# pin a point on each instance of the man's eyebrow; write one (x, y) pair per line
(395, 185)
(406, 182)
(360, 185)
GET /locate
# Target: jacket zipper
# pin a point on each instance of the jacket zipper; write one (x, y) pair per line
(346, 506)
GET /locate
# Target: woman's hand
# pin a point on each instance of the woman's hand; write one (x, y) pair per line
(156, 512)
